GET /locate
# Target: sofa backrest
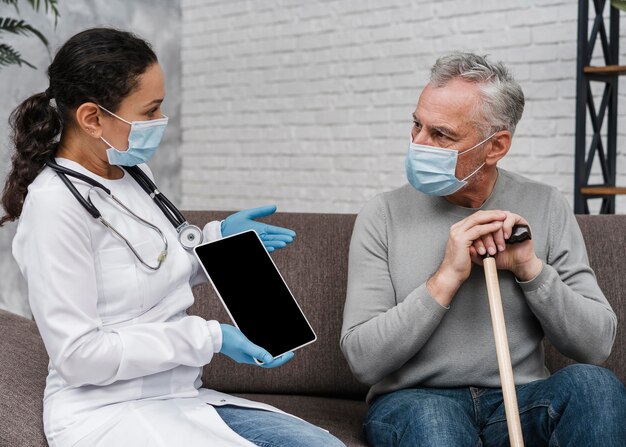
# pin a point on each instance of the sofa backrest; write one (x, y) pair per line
(605, 238)
(315, 267)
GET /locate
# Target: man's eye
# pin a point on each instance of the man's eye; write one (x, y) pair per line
(442, 138)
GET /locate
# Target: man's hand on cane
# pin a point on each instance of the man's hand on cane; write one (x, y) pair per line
(457, 262)
(519, 258)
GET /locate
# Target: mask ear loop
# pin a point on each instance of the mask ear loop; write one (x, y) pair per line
(471, 149)
(119, 118)
(116, 116)
(110, 145)
(477, 145)
(475, 171)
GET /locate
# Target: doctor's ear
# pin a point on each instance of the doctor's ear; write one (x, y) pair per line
(500, 145)
(89, 118)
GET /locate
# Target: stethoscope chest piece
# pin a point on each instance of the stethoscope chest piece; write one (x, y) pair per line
(189, 236)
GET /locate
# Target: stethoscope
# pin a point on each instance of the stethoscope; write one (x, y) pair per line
(189, 235)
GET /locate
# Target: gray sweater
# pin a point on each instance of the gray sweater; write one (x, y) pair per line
(395, 335)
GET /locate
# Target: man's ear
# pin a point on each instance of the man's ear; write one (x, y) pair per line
(89, 119)
(500, 144)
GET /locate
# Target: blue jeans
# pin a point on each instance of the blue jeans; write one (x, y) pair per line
(268, 429)
(580, 405)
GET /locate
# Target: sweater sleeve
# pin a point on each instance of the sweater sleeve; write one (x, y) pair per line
(380, 333)
(54, 252)
(565, 296)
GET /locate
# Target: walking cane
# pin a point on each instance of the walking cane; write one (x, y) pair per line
(520, 233)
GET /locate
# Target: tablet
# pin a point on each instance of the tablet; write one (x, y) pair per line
(254, 293)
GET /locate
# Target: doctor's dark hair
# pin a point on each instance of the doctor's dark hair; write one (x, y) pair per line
(100, 65)
(503, 98)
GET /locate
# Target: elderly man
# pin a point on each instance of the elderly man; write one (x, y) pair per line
(417, 324)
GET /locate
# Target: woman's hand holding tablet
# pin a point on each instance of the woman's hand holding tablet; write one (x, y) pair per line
(236, 346)
(255, 296)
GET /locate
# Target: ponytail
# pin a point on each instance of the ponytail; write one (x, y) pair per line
(35, 126)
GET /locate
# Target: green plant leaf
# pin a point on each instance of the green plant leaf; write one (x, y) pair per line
(10, 2)
(49, 5)
(619, 4)
(9, 25)
(8, 56)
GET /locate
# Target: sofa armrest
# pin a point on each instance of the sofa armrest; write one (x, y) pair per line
(23, 371)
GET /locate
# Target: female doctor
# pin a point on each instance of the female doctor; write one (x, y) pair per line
(109, 274)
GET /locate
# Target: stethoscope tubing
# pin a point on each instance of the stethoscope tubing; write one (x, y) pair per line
(170, 211)
(63, 172)
(167, 207)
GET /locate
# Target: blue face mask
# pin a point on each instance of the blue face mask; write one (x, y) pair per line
(143, 140)
(432, 170)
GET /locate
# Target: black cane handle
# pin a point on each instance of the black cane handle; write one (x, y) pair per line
(520, 233)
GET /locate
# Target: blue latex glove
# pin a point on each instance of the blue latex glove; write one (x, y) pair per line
(236, 346)
(271, 236)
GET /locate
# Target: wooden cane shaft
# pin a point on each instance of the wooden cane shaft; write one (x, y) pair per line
(502, 351)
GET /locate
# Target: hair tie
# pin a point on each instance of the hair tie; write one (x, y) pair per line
(48, 93)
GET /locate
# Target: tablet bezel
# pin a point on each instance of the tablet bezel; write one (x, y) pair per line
(217, 292)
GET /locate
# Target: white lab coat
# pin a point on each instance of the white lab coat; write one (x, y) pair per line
(125, 358)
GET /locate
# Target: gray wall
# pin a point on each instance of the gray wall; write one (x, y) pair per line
(158, 21)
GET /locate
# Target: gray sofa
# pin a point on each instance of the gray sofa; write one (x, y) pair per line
(317, 385)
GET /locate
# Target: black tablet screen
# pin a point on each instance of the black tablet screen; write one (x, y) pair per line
(254, 293)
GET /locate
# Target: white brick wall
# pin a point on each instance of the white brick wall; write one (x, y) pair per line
(307, 104)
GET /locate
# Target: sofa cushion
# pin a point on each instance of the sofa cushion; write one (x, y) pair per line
(605, 238)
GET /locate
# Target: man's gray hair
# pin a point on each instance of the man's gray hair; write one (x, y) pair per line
(503, 99)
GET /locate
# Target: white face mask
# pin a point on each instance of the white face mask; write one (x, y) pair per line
(432, 170)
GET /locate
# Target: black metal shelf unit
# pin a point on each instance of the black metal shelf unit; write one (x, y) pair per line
(604, 148)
